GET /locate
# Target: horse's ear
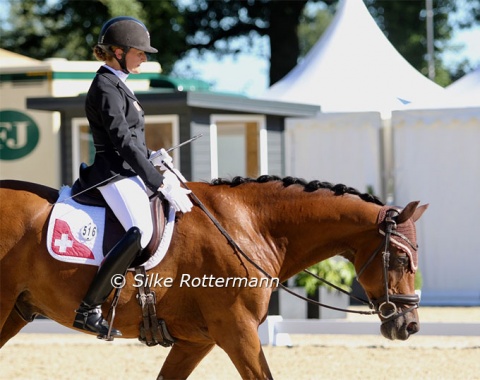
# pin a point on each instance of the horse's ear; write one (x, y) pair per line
(419, 212)
(407, 212)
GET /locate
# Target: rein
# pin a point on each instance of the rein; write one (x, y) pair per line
(385, 302)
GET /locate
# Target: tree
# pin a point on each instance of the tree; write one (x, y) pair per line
(211, 24)
(69, 29)
(312, 25)
(65, 29)
(165, 21)
(404, 24)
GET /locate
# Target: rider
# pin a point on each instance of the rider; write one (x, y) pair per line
(121, 169)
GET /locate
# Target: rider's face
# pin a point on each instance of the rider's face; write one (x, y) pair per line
(134, 59)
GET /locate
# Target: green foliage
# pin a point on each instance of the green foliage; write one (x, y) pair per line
(312, 26)
(213, 25)
(338, 271)
(69, 29)
(418, 280)
(404, 24)
(166, 22)
(63, 29)
(124, 7)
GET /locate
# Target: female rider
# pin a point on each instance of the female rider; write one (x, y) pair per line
(121, 169)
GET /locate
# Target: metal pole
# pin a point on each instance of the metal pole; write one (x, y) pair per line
(430, 39)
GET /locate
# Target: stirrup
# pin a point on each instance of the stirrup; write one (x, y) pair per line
(91, 319)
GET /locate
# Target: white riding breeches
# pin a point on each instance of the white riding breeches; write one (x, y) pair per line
(128, 199)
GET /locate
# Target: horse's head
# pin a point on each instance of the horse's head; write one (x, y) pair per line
(388, 274)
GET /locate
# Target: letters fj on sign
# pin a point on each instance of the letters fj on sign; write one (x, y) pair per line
(19, 135)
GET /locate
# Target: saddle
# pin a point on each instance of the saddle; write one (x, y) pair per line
(113, 229)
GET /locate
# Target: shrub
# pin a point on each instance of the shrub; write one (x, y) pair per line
(337, 270)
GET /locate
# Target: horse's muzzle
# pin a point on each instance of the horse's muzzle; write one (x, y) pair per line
(401, 327)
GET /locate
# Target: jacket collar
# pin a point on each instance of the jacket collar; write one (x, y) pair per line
(107, 73)
(119, 73)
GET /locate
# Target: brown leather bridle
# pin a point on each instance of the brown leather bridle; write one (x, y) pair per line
(386, 306)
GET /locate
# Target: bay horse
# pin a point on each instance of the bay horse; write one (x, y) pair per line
(283, 225)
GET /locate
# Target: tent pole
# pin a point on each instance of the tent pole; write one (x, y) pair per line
(430, 47)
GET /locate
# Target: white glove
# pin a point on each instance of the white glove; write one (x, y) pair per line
(175, 194)
(161, 157)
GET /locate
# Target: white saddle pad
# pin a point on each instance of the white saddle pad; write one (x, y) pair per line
(75, 232)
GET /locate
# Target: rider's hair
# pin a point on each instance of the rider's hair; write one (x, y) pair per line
(100, 53)
(103, 53)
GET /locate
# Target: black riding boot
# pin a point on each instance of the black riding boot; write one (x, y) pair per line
(89, 314)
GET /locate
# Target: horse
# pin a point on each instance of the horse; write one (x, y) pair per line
(282, 226)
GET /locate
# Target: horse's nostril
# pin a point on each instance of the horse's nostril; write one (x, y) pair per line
(412, 328)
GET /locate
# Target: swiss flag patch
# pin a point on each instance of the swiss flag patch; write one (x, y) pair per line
(64, 243)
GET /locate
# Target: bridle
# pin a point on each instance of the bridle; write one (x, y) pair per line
(385, 306)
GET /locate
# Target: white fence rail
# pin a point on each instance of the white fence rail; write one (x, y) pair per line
(276, 331)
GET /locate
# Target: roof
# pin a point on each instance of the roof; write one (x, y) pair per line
(353, 67)
(11, 57)
(467, 88)
(13, 62)
(165, 102)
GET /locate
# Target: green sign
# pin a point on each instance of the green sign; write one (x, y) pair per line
(19, 135)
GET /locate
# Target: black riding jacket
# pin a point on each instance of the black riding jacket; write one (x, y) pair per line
(117, 123)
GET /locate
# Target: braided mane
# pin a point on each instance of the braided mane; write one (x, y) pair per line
(311, 186)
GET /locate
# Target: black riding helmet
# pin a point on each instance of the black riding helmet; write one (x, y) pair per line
(125, 32)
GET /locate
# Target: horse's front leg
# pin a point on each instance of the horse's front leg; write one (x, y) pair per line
(239, 339)
(13, 324)
(182, 359)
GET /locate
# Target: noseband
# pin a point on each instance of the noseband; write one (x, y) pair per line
(386, 306)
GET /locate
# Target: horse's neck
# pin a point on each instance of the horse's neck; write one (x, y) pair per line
(287, 229)
(311, 227)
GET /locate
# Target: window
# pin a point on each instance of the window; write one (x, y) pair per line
(160, 132)
(238, 146)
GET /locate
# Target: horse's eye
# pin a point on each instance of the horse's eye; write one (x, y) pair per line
(401, 261)
(398, 262)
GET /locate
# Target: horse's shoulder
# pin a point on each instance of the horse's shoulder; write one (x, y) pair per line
(48, 193)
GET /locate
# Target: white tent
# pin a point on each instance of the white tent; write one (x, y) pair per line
(468, 84)
(437, 161)
(467, 89)
(354, 73)
(354, 68)
(336, 147)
